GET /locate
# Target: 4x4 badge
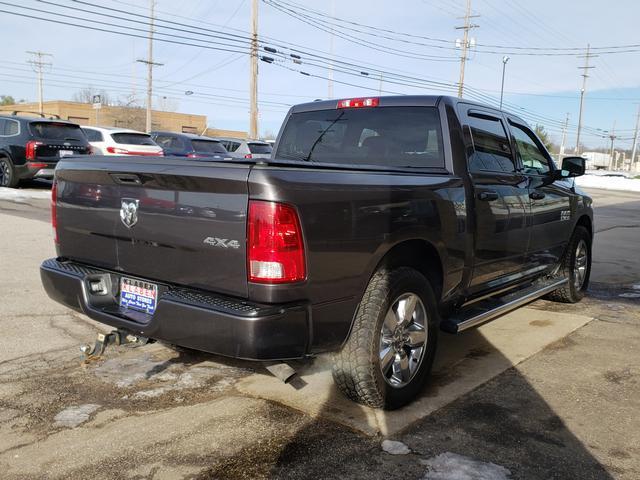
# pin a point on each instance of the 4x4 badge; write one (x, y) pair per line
(129, 211)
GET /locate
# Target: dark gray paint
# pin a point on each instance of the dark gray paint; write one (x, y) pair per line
(351, 219)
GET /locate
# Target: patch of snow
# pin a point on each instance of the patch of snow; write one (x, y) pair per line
(451, 466)
(153, 393)
(71, 417)
(610, 173)
(125, 372)
(22, 195)
(605, 182)
(636, 287)
(395, 448)
(629, 295)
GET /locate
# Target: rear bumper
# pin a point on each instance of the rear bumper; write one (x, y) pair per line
(189, 318)
(36, 170)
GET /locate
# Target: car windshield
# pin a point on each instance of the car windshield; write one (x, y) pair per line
(57, 131)
(208, 146)
(381, 136)
(133, 138)
(259, 148)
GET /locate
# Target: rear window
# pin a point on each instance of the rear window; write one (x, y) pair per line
(132, 138)
(260, 148)
(56, 131)
(208, 146)
(384, 136)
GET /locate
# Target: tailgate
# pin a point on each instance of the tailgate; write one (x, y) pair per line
(170, 220)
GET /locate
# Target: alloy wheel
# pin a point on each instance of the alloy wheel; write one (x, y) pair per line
(580, 264)
(403, 339)
(5, 173)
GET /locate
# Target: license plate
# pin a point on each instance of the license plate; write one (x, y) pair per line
(138, 295)
(65, 153)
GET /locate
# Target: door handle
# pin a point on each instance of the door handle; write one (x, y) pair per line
(126, 178)
(488, 196)
(535, 195)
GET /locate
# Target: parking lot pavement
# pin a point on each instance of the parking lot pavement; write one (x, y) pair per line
(567, 411)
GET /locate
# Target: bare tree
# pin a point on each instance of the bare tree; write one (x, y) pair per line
(132, 115)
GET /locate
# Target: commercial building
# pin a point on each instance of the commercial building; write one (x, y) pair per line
(123, 117)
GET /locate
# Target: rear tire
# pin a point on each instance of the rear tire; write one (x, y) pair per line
(8, 177)
(576, 266)
(390, 350)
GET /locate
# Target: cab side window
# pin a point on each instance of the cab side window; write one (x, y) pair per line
(532, 155)
(492, 151)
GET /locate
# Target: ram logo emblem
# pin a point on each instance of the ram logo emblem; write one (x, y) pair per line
(129, 211)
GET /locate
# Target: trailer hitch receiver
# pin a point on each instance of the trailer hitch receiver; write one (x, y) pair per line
(116, 337)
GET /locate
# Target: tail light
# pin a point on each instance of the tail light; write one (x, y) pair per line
(248, 155)
(194, 155)
(275, 249)
(358, 102)
(31, 148)
(118, 151)
(89, 150)
(54, 210)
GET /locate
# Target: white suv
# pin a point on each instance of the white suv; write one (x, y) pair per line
(246, 148)
(121, 141)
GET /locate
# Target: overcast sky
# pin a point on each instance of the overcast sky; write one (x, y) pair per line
(546, 87)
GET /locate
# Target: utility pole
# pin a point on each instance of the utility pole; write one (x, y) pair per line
(505, 59)
(635, 141)
(38, 64)
(612, 136)
(465, 44)
(253, 83)
(331, 41)
(585, 69)
(150, 64)
(564, 137)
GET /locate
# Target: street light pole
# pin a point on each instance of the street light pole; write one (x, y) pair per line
(505, 59)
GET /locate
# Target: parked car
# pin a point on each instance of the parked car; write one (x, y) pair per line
(121, 141)
(246, 148)
(378, 222)
(31, 147)
(189, 145)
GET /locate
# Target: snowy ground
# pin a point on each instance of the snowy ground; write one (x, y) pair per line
(607, 180)
(22, 195)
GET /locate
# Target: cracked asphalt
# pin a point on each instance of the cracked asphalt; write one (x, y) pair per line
(569, 411)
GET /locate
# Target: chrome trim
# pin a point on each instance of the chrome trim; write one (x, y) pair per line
(510, 305)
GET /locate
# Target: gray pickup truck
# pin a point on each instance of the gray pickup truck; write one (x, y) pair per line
(376, 223)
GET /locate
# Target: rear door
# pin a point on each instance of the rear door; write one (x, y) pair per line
(550, 204)
(136, 143)
(259, 149)
(57, 140)
(208, 148)
(501, 198)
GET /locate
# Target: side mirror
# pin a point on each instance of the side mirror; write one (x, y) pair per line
(573, 167)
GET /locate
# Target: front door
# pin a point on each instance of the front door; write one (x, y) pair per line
(501, 199)
(551, 209)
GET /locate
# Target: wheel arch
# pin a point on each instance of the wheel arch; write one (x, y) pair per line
(420, 255)
(586, 222)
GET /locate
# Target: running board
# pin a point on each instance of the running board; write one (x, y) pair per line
(493, 307)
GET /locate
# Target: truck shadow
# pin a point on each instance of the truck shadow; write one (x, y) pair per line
(504, 421)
